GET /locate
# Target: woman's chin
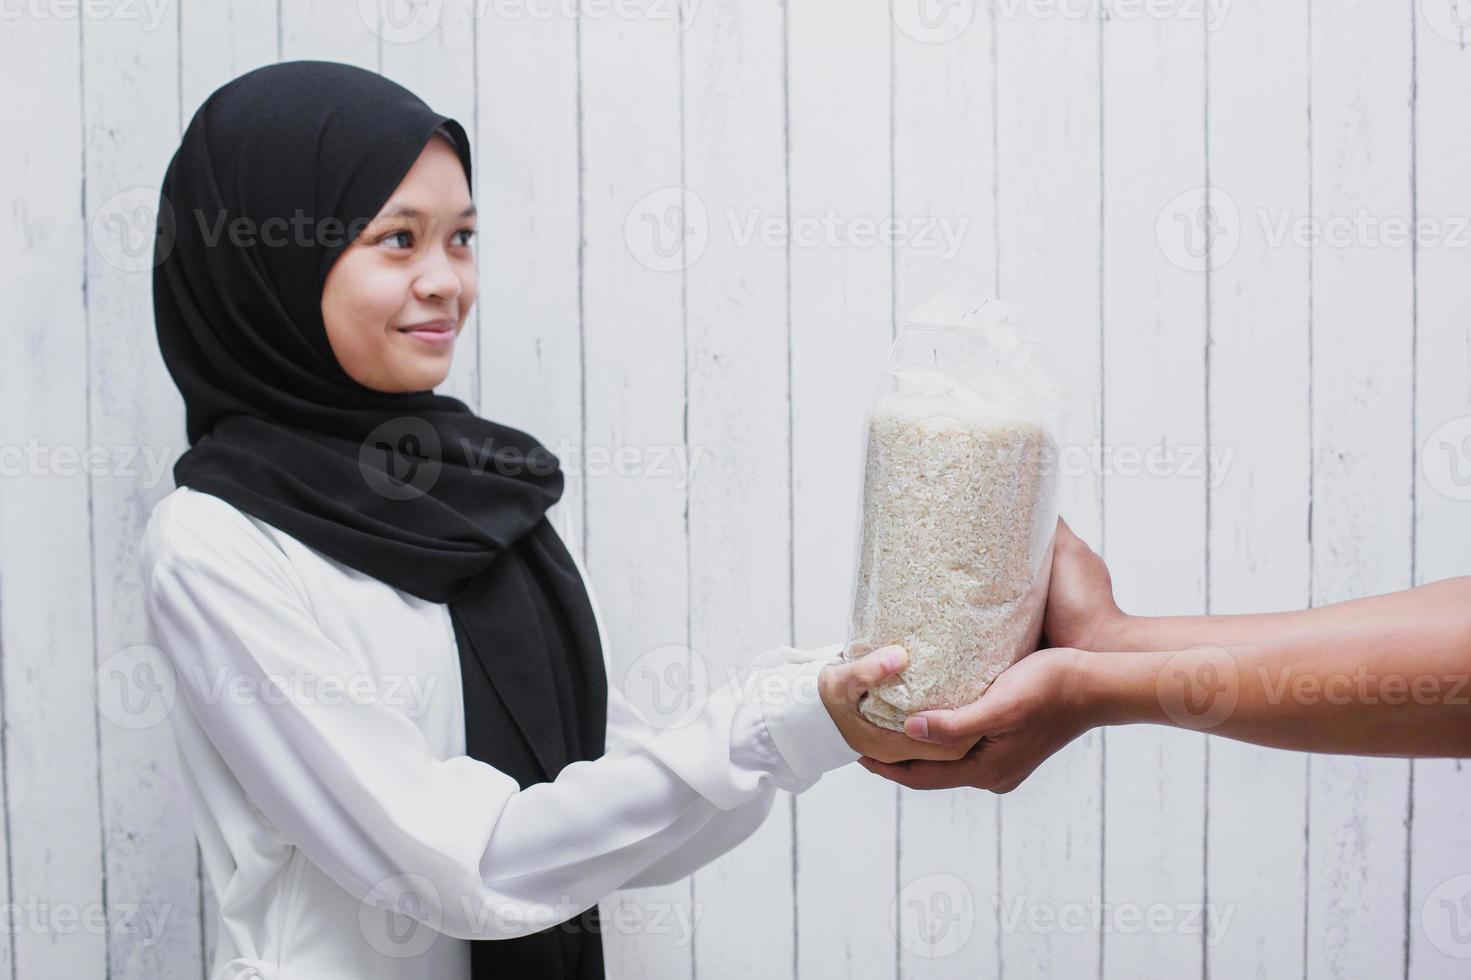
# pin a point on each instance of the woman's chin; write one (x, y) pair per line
(427, 373)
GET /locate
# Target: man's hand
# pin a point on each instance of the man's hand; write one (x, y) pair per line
(843, 685)
(1081, 611)
(1031, 710)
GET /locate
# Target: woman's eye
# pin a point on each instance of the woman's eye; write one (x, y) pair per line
(396, 234)
(468, 233)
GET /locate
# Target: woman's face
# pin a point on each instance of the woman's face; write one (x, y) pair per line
(412, 266)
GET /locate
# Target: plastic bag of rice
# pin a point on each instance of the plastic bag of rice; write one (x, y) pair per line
(959, 506)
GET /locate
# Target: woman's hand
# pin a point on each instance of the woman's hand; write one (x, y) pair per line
(1035, 707)
(843, 685)
(1081, 612)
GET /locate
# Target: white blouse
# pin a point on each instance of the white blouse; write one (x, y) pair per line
(319, 720)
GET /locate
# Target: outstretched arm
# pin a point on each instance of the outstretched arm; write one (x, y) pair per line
(1384, 675)
(359, 787)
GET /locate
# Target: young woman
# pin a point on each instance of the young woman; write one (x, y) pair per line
(394, 707)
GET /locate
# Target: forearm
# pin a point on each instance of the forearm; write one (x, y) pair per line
(1438, 605)
(1386, 675)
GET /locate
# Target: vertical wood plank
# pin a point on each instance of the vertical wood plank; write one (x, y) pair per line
(529, 338)
(739, 499)
(649, 109)
(1154, 525)
(1049, 231)
(945, 219)
(635, 395)
(333, 30)
(1439, 926)
(1259, 436)
(52, 847)
(218, 42)
(838, 62)
(132, 74)
(1362, 454)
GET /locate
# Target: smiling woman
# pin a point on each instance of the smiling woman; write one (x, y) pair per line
(397, 298)
(473, 834)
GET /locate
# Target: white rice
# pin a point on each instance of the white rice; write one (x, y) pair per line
(955, 552)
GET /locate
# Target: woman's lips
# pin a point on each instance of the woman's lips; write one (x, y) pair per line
(437, 332)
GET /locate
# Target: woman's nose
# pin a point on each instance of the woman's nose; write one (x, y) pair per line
(438, 278)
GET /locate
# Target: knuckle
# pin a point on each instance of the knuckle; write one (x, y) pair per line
(947, 731)
(939, 723)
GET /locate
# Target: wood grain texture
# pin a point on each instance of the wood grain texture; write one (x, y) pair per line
(734, 139)
(1259, 486)
(1362, 370)
(838, 58)
(1439, 910)
(145, 815)
(636, 387)
(636, 175)
(53, 845)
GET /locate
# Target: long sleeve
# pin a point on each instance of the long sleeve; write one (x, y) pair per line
(354, 784)
(724, 829)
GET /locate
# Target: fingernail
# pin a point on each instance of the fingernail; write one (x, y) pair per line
(893, 656)
(917, 727)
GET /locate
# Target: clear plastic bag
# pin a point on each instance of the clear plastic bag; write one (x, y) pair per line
(959, 506)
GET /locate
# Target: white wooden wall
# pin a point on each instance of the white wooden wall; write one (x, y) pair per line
(1074, 149)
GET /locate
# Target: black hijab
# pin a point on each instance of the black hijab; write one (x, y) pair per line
(411, 488)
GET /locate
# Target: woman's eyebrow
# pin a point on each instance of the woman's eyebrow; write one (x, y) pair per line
(403, 210)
